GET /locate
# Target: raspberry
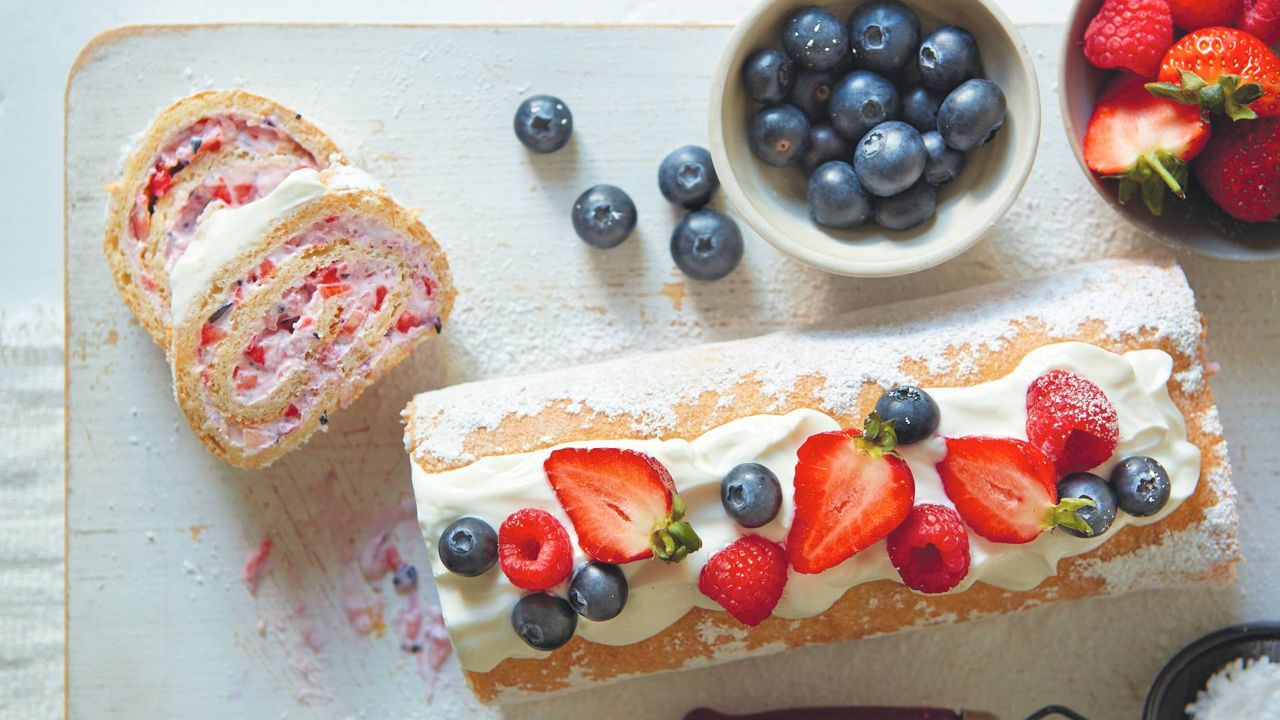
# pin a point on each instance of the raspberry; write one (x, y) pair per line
(930, 549)
(534, 550)
(1130, 34)
(1071, 420)
(1262, 19)
(746, 578)
(1196, 14)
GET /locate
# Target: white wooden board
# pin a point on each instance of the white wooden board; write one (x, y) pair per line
(160, 622)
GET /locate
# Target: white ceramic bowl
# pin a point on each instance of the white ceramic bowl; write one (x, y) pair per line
(772, 200)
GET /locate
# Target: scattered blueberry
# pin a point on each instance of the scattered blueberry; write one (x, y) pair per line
(687, 178)
(810, 92)
(825, 144)
(543, 123)
(1088, 485)
(1141, 485)
(836, 198)
(405, 578)
(767, 75)
(706, 245)
(751, 495)
(948, 56)
(920, 109)
(815, 38)
(913, 411)
(468, 547)
(544, 622)
(861, 101)
(598, 591)
(890, 158)
(972, 114)
(779, 134)
(944, 164)
(604, 216)
(885, 35)
(907, 209)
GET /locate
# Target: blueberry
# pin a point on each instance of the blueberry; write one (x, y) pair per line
(598, 591)
(913, 411)
(544, 622)
(751, 495)
(825, 144)
(815, 38)
(405, 578)
(543, 123)
(948, 56)
(810, 93)
(604, 216)
(861, 101)
(944, 164)
(884, 35)
(779, 135)
(836, 198)
(706, 245)
(1088, 485)
(1141, 485)
(972, 114)
(907, 209)
(468, 547)
(687, 178)
(920, 109)
(890, 158)
(767, 75)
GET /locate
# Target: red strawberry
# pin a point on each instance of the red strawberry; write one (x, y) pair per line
(407, 321)
(622, 504)
(930, 549)
(1261, 18)
(1222, 70)
(1143, 141)
(210, 334)
(1006, 489)
(1071, 420)
(850, 491)
(534, 550)
(161, 181)
(1196, 14)
(746, 578)
(1241, 170)
(1129, 34)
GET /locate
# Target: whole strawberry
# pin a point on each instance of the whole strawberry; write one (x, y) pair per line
(1130, 34)
(1196, 14)
(746, 578)
(1261, 18)
(1222, 70)
(1240, 170)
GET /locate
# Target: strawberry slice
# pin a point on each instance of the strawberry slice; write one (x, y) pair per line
(851, 490)
(1006, 489)
(1143, 141)
(622, 504)
(407, 321)
(210, 334)
(379, 294)
(161, 181)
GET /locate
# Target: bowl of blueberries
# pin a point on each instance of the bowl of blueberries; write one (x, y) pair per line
(874, 138)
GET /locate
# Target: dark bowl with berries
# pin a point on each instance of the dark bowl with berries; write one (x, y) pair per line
(1172, 108)
(874, 137)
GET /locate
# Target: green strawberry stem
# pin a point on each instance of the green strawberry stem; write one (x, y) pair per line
(673, 538)
(1066, 514)
(878, 436)
(1149, 176)
(1228, 96)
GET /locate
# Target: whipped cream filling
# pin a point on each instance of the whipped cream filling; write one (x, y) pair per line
(477, 610)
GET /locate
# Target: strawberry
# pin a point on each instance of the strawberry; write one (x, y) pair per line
(220, 192)
(622, 504)
(1261, 18)
(379, 294)
(1241, 170)
(851, 489)
(329, 290)
(1196, 14)
(256, 353)
(1129, 34)
(210, 334)
(746, 578)
(407, 321)
(161, 181)
(1071, 420)
(1006, 489)
(534, 550)
(1143, 141)
(930, 549)
(1222, 70)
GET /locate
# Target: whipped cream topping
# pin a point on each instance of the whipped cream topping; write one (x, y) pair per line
(477, 610)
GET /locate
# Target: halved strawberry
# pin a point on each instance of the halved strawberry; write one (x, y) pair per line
(1221, 70)
(1143, 141)
(1006, 489)
(622, 504)
(850, 491)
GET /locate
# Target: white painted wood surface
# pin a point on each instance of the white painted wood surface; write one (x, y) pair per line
(160, 623)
